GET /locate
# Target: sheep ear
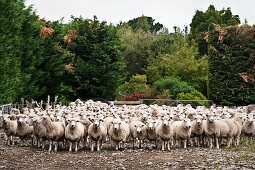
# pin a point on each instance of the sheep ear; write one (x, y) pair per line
(101, 120)
(112, 122)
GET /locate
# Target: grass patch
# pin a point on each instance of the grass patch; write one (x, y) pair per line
(248, 144)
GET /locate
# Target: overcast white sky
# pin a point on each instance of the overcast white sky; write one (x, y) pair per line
(167, 12)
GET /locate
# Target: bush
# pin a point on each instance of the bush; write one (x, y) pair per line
(133, 88)
(195, 95)
(174, 85)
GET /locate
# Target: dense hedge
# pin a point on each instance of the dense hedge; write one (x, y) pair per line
(232, 65)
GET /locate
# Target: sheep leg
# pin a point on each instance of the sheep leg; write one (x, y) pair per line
(229, 142)
(184, 144)
(163, 146)
(117, 146)
(210, 142)
(140, 144)
(43, 144)
(56, 146)
(70, 146)
(168, 145)
(50, 146)
(98, 145)
(92, 146)
(12, 140)
(217, 142)
(76, 146)
(191, 142)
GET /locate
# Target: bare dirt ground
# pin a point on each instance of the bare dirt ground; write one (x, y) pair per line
(17, 157)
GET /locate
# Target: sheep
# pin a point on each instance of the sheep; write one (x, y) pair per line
(119, 133)
(181, 130)
(216, 129)
(55, 131)
(74, 133)
(10, 127)
(24, 130)
(164, 132)
(248, 128)
(151, 131)
(141, 133)
(97, 132)
(40, 132)
(197, 130)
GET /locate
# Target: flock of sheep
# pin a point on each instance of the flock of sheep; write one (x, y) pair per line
(93, 124)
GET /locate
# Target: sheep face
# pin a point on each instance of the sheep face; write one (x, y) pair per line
(116, 126)
(22, 120)
(186, 123)
(198, 120)
(166, 122)
(249, 119)
(139, 128)
(73, 124)
(210, 118)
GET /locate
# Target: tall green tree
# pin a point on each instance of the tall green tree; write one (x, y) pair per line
(98, 66)
(145, 23)
(203, 22)
(11, 19)
(136, 49)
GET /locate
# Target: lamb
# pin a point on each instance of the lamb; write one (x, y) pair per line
(151, 131)
(10, 127)
(74, 133)
(55, 131)
(197, 130)
(164, 132)
(119, 133)
(181, 131)
(141, 133)
(97, 132)
(24, 131)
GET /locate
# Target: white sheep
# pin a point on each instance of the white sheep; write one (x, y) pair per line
(40, 132)
(24, 130)
(74, 133)
(119, 133)
(197, 130)
(217, 129)
(248, 128)
(181, 131)
(55, 131)
(10, 127)
(164, 132)
(151, 130)
(97, 132)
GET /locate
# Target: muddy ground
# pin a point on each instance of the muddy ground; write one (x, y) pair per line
(17, 157)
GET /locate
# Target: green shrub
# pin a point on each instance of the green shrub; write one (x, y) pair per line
(136, 84)
(195, 95)
(174, 85)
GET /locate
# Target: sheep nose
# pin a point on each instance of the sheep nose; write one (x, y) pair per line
(189, 127)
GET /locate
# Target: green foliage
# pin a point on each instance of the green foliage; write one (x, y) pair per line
(136, 83)
(181, 61)
(203, 22)
(231, 66)
(11, 20)
(98, 67)
(195, 95)
(174, 85)
(136, 49)
(145, 23)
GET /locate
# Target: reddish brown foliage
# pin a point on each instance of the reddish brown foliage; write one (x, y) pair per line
(45, 32)
(133, 97)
